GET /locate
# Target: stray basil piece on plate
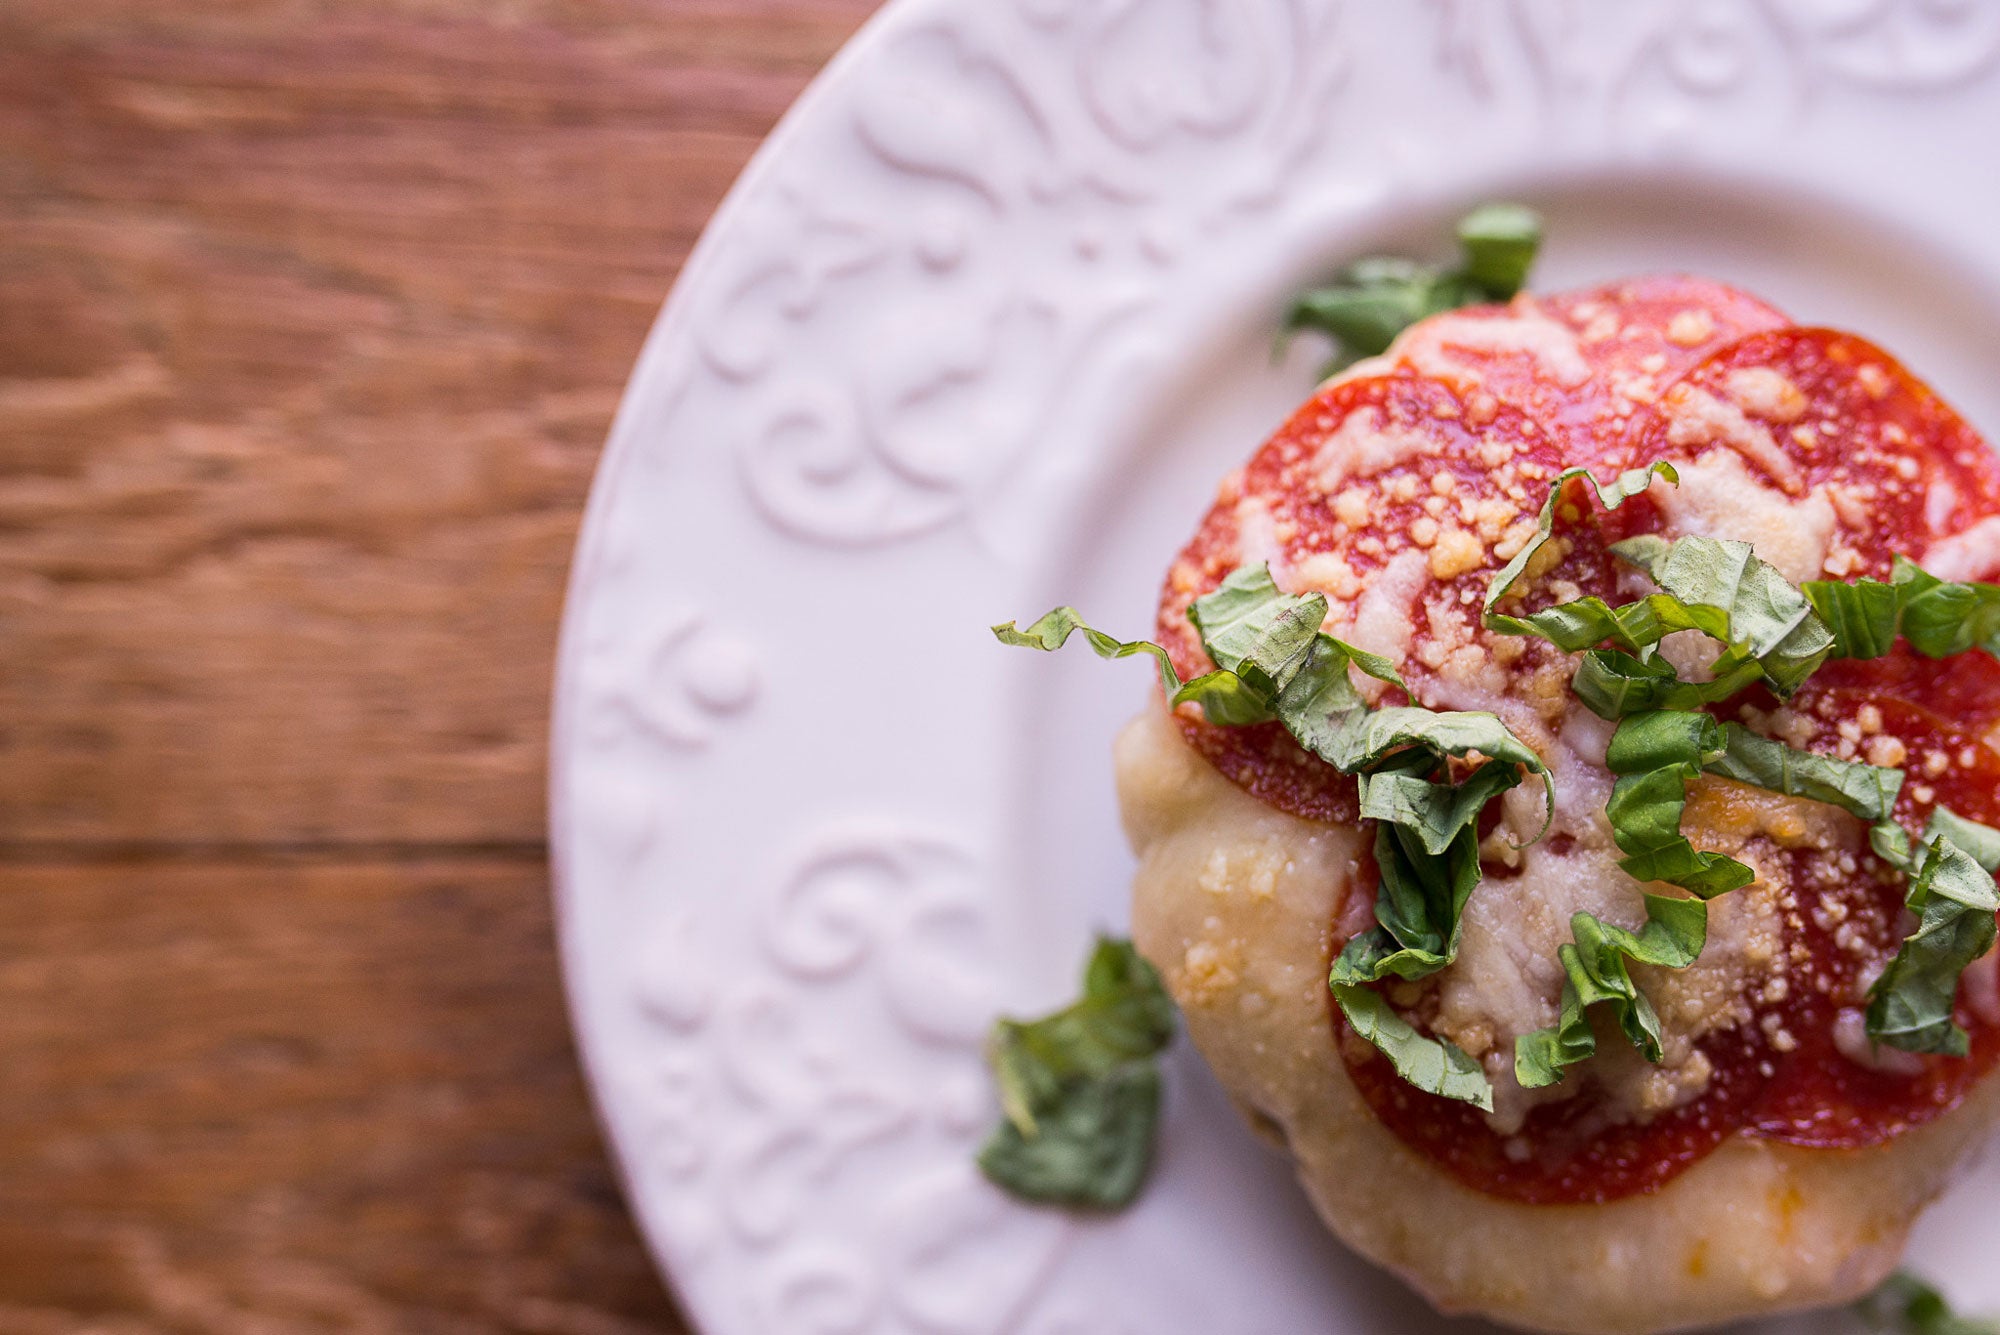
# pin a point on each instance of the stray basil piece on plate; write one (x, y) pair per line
(1080, 1089)
(1372, 300)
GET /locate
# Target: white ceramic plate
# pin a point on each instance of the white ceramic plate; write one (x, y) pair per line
(977, 334)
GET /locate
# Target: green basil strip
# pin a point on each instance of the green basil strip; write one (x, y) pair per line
(1613, 684)
(1432, 1065)
(1500, 242)
(1079, 1088)
(1596, 974)
(1768, 620)
(1253, 628)
(1952, 869)
(1093, 1148)
(1981, 843)
(1906, 1305)
(1224, 697)
(1655, 754)
(1373, 300)
(1419, 908)
(1939, 619)
(1910, 1006)
(1866, 791)
(1627, 485)
(1435, 813)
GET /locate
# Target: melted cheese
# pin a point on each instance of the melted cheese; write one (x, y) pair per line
(1696, 417)
(1718, 497)
(1763, 392)
(1973, 554)
(1257, 536)
(1382, 621)
(1452, 346)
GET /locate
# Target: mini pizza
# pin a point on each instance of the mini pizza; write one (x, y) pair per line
(1569, 832)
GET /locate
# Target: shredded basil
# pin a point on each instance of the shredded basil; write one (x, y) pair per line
(1655, 755)
(1431, 1064)
(1906, 1305)
(1595, 974)
(1718, 588)
(1500, 242)
(1080, 1089)
(1373, 300)
(1939, 619)
(1419, 907)
(1769, 622)
(1274, 662)
(1866, 791)
(1953, 893)
(1224, 697)
(1612, 684)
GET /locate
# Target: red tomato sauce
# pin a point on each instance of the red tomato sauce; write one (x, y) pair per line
(1907, 471)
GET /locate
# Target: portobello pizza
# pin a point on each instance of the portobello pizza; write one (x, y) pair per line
(1568, 823)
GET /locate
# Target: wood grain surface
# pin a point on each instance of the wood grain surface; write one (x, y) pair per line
(313, 315)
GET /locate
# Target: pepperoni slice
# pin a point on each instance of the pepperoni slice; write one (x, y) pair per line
(1399, 485)
(1586, 363)
(1837, 429)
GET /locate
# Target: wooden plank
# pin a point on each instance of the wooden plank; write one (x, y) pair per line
(312, 319)
(290, 1096)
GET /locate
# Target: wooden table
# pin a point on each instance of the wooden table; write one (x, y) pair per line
(313, 315)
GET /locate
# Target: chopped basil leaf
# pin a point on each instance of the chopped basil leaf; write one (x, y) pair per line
(1431, 1064)
(1769, 621)
(1906, 1305)
(1354, 740)
(1079, 1087)
(1596, 974)
(1954, 896)
(1612, 683)
(1373, 300)
(1865, 616)
(1500, 242)
(1224, 697)
(1654, 755)
(1627, 485)
(1252, 628)
(1094, 1144)
(1419, 908)
(1866, 791)
(1435, 813)
(1939, 619)
(1981, 843)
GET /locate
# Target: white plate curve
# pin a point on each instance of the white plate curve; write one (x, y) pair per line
(977, 333)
